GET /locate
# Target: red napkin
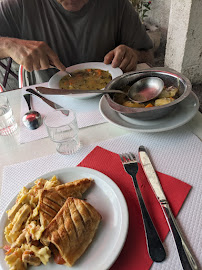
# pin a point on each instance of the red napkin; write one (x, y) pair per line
(134, 254)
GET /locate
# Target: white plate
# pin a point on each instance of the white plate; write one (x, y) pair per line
(54, 80)
(107, 198)
(183, 113)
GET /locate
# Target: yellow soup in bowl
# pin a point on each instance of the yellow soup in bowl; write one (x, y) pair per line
(86, 79)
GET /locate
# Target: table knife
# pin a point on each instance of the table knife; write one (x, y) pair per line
(187, 260)
(47, 101)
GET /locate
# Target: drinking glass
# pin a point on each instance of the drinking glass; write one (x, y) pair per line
(7, 121)
(63, 129)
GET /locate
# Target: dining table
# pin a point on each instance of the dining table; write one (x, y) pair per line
(175, 152)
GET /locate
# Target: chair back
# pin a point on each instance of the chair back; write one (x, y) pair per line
(2, 88)
(21, 77)
(8, 72)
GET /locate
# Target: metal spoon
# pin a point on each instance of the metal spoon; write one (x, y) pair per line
(68, 73)
(146, 89)
(141, 91)
(31, 119)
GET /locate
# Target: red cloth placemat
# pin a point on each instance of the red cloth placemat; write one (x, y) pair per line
(134, 254)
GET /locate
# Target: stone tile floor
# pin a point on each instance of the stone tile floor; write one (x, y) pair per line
(13, 83)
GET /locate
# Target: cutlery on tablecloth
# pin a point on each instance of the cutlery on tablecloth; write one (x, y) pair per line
(58, 91)
(31, 119)
(154, 245)
(47, 101)
(141, 91)
(187, 261)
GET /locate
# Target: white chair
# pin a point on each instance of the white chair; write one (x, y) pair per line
(2, 88)
(21, 77)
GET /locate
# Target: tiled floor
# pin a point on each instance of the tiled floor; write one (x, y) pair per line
(13, 83)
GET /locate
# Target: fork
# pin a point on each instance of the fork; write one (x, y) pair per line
(154, 245)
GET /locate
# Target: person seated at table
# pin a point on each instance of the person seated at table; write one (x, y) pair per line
(37, 33)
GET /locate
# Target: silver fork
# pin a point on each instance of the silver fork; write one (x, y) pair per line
(154, 245)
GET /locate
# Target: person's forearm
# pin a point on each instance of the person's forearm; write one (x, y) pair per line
(145, 56)
(5, 44)
(31, 54)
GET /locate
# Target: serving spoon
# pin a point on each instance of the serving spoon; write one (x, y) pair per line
(32, 119)
(141, 91)
(146, 89)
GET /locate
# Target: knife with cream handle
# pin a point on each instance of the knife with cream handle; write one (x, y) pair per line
(187, 260)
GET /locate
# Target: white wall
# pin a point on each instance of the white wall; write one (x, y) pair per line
(184, 39)
(181, 27)
(192, 62)
(159, 14)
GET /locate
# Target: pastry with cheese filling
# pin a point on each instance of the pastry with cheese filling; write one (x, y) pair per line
(72, 230)
(51, 200)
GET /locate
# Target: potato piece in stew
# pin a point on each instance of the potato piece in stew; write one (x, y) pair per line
(168, 95)
(86, 79)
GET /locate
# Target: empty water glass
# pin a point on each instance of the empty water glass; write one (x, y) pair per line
(7, 121)
(62, 129)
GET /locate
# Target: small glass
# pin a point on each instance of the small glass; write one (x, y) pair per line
(63, 129)
(7, 121)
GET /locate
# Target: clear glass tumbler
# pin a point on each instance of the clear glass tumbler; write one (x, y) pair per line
(7, 121)
(63, 129)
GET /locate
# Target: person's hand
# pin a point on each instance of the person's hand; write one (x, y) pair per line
(123, 57)
(33, 55)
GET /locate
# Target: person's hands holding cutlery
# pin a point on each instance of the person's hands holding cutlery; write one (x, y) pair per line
(32, 55)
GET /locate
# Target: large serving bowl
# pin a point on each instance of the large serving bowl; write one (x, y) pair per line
(170, 78)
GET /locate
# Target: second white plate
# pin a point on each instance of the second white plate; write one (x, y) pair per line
(183, 113)
(107, 198)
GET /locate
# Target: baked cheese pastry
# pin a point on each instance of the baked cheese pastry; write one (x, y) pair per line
(72, 229)
(51, 200)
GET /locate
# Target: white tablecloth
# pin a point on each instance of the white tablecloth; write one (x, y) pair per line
(87, 111)
(177, 153)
